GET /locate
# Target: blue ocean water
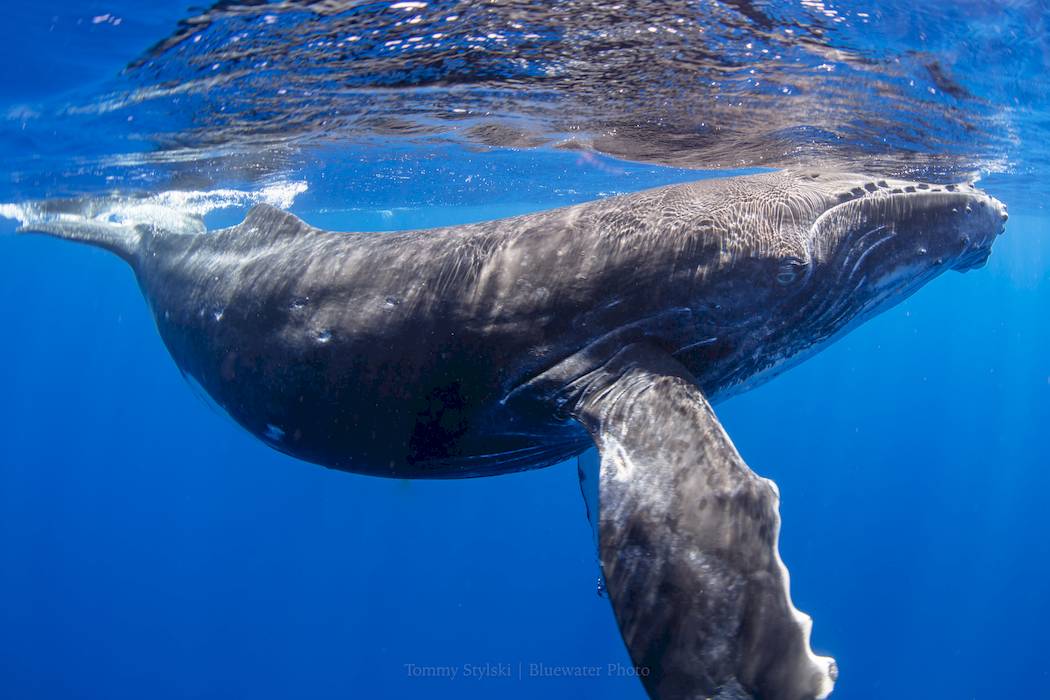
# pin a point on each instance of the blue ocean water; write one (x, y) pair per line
(150, 548)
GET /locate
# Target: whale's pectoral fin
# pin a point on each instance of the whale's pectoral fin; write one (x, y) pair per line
(688, 542)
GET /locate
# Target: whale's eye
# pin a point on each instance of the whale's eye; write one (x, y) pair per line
(790, 271)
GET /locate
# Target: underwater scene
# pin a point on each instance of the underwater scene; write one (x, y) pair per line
(520, 349)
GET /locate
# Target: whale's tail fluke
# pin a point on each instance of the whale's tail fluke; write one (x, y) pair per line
(121, 239)
(116, 224)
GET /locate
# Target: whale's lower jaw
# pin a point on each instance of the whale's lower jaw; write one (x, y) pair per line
(974, 260)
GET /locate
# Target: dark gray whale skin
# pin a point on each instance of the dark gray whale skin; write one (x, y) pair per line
(513, 344)
(405, 354)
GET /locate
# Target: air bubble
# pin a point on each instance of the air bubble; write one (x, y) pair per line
(324, 335)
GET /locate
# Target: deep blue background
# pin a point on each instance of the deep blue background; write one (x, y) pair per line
(149, 548)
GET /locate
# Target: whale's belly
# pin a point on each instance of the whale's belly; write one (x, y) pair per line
(419, 401)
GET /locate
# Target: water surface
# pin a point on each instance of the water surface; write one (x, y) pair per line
(150, 548)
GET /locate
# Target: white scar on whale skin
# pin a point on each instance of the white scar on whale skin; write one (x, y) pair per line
(173, 210)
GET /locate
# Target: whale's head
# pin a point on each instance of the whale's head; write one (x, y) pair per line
(831, 251)
(874, 241)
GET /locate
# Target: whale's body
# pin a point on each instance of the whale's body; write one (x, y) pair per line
(514, 344)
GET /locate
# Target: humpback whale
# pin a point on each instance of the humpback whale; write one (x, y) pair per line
(515, 344)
